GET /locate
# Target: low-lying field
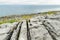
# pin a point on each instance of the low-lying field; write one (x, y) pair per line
(11, 19)
(15, 19)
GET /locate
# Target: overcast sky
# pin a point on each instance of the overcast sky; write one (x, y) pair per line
(31, 2)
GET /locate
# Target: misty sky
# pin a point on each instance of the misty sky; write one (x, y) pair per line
(31, 2)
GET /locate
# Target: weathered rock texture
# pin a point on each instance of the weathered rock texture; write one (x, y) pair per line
(37, 28)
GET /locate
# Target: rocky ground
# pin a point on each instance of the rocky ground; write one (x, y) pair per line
(37, 28)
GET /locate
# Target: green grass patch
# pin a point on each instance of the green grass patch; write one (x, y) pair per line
(8, 21)
(26, 17)
(51, 13)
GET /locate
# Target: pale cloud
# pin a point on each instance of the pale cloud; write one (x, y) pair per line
(33, 2)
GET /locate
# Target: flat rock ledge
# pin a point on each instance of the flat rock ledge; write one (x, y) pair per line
(37, 28)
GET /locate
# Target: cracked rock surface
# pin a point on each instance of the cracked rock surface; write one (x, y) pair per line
(37, 28)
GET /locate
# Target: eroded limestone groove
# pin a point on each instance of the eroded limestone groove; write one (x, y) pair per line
(36, 28)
